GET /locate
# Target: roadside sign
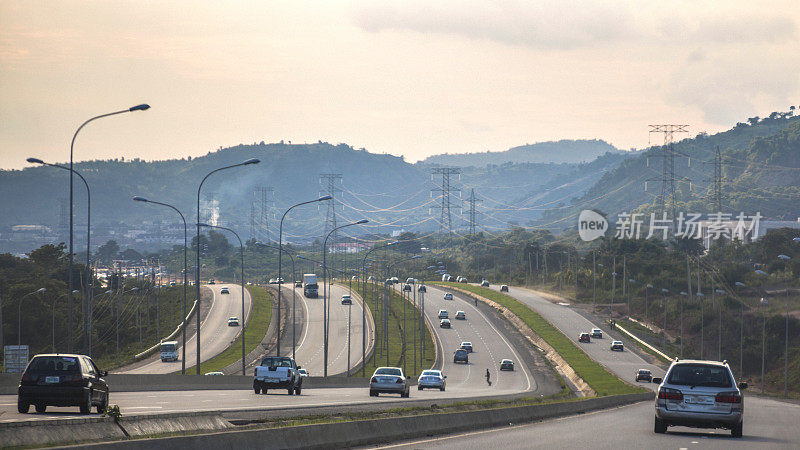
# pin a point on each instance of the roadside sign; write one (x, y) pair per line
(15, 358)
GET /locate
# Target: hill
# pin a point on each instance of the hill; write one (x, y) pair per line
(564, 151)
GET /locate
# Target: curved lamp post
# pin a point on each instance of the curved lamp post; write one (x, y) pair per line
(325, 303)
(364, 310)
(294, 293)
(19, 313)
(185, 273)
(280, 260)
(197, 273)
(142, 107)
(241, 254)
(87, 343)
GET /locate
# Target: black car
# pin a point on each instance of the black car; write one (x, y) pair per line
(504, 288)
(62, 380)
(422, 288)
(407, 288)
(461, 355)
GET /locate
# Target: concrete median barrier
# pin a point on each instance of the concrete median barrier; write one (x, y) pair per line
(376, 431)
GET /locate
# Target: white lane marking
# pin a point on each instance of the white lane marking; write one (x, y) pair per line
(142, 407)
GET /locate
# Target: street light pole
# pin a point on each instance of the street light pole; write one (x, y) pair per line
(280, 263)
(87, 342)
(185, 274)
(294, 292)
(325, 303)
(19, 313)
(241, 254)
(197, 269)
(142, 107)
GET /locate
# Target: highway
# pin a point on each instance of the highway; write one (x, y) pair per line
(215, 334)
(309, 351)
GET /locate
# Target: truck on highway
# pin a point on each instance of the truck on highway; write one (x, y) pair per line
(169, 351)
(310, 287)
(276, 372)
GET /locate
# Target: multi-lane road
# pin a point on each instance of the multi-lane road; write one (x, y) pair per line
(215, 334)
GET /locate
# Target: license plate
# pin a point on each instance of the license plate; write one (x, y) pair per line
(52, 379)
(698, 400)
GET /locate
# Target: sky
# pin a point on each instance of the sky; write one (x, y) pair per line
(411, 78)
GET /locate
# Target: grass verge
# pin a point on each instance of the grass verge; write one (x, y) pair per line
(651, 338)
(253, 334)
(400, 349)
(597, 376)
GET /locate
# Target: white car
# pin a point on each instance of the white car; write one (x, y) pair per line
(443, 314)
(214, 373)
(389, 380)
(461, 315)
(233, 321)
(302, 372)
(448, 296)
(346, 300)
(224, 291)
(431, 379)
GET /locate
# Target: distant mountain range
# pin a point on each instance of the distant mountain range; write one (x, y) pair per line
(564, 151)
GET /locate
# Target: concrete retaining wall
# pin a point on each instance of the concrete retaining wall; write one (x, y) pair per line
(374, 431)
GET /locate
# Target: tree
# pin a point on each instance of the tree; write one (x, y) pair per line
(107, 252)
(131, 255)
(49, 256)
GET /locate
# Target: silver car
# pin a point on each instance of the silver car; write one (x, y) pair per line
(389, 380)
(699, 394)
(431, 379)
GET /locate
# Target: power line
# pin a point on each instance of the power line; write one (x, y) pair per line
(328, 182)
(261, 207)
(445, 172)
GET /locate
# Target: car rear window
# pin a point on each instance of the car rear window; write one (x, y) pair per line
(276, 362)
(699, 375)
(388, 371)
(54, 364)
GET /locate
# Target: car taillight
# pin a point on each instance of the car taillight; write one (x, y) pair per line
(373, 380)
(728, 397)
(670, 394)
(399, 380)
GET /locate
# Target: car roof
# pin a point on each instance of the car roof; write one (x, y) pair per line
(460, 312)
(466, 342)
(60, 354)
(699, 361)
(616, 342)
(506, 360)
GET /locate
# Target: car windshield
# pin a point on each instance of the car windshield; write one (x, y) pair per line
(699, 375)
(54, 364)
(643, 371)
(276, 362)
(388, 371)
(168, 347)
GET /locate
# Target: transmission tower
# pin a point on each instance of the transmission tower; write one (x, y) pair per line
(445, 190)
(716, 194)
(328, 183)
(666, 200)
(472, 214)
(261, 208)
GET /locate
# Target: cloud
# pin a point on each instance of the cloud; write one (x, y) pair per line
(728, 87)
(546, 25)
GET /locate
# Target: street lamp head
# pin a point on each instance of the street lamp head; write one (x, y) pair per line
(75, 291)
(650, 286)
(666, 291)
(699, 294)
(684, 293)
(631, 280)
(35, 161)
(139, 199)
(784, 257)
(362, 221)
(719, 291)
(108, 291)
(41, 290)
(142, 107)
(416, 257)
(323, 198)
(251, 161)
(134, 289)
(761, 272)
(739, 283)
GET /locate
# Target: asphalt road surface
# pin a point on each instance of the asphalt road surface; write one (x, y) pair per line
(768, 424)
(309, 352)
(215, 334)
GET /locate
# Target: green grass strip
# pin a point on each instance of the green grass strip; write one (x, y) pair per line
(253, 334)
(593, 373)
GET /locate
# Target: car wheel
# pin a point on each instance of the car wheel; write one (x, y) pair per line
(659, 426)
(257, 390)
(297, 390)
(86, 407)
(419, 388)
(101, 408)
(291, 390)
(736, 431)
(23, 407)
(41, 407)
(441, 389)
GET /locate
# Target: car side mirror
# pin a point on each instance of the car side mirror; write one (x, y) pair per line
(444, 376)
(657, 380)
(104, 373)
(299, 367)
(742, 385)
